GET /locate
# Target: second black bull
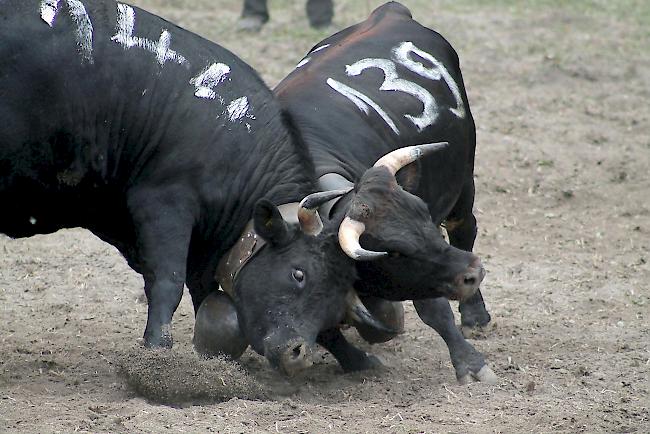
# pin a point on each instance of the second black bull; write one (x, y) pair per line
(360, 100)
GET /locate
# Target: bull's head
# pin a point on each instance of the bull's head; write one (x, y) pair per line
(409, 258)
(297, 285)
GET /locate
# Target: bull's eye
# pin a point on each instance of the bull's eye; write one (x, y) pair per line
(395, 254)
(298, 275)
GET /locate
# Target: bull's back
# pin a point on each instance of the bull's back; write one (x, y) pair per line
(97, 96)
(385, 83)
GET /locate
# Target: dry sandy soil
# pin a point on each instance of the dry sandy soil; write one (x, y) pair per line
(561, 96)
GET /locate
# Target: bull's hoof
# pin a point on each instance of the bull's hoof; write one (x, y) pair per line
(251, 24)
(159, 339)
(483, 375)
(362, 363)
(473, 315)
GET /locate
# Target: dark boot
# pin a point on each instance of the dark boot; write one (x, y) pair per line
(254, 15)
(320, 13)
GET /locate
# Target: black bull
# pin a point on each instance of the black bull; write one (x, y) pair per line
(382, 84)
(166, 146)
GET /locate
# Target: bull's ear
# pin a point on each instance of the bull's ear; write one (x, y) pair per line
(268, 222)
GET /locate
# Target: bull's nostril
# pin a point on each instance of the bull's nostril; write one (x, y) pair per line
(469, 280)
(296, 352)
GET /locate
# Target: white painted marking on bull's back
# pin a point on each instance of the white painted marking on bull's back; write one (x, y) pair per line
(322, 47)
(303, 62)
(401, 54)
(49, 8)
(84, 33)
(208, 79)
(125, 23)
(237, 109)
(80, 18)
(306, 60)
(362, 102)
(124, 36)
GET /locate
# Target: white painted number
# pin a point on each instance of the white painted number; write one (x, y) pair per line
(84, 30)
(392, 82)
(205, 83)
(401, 54)
(124, 36)
(208, 79)
(362, 102)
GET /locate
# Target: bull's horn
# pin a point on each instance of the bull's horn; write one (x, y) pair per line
(349, 233)
(358, 313)
(310, 221)
(399, 158)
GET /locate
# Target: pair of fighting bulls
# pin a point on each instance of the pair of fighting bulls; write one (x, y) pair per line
(173, 150)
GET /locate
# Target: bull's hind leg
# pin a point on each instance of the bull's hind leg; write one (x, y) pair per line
(468, 363)
(461, 227)
(163, 230)
(349, 357)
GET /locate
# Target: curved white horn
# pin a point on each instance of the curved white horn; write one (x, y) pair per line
(349, 233)
(310, 221)
(357, 312)
(399, 158)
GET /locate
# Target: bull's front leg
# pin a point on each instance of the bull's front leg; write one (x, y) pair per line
(163, 230)
(349, 357)
(468, 362)
(461, 227)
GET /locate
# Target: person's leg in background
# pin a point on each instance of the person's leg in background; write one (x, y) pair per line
(254, 15)
(320, 12)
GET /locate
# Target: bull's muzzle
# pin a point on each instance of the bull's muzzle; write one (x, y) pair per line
(468, 282)
(290, 357)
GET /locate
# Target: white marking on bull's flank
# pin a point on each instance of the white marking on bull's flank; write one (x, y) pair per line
(32, 220)
(49, 8)
(208, 79)
(124, 36)
(303, 62)
(84, 33)
(322, 47)
(401, 54)
(362, 102)
(237, 109)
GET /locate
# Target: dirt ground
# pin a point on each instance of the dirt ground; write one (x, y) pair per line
(561, 96)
